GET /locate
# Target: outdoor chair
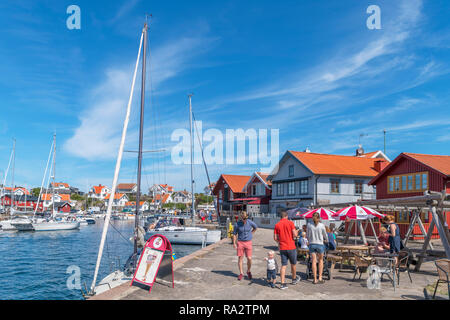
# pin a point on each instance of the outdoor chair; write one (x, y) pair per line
(403, 265)
(443, 268)
(361, 265)
(386, 266)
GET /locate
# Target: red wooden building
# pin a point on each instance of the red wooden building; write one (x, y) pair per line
(410, 175)
(258, 192)
(228, 188)
(21, 203)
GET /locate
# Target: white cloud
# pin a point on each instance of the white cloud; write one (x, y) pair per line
(98, 135)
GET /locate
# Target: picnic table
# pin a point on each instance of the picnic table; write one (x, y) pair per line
(347, 252)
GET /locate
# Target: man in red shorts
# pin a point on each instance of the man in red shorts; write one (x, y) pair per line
(243, 232)
(284, 234)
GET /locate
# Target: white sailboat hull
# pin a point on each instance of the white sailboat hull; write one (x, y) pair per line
(54, 226)
(111, 281)
(7, 226)
(188, 235)
(18, 224)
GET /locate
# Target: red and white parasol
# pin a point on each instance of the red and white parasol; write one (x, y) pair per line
(357, 213)
(324, 214)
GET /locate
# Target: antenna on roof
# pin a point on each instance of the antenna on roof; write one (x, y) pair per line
(384, 132)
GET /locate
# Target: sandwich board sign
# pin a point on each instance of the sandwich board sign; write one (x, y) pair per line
(150, 260)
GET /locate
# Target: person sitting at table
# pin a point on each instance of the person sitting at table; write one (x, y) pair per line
(383, 241)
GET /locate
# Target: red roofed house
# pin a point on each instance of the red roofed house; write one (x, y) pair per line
(60, 187)
(410, 174)
(48, 199)
(120, 199)
(228, 188)
(160, 189)
(258, 191)
(127, 188)
(18, 191)
(161, 199)
(99, 192)
(132, 205)
(304, 179)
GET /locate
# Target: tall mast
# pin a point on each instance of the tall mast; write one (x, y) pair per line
(116, 173)
(192, 161)
(12, 182)
(54, 170)
(141, 133)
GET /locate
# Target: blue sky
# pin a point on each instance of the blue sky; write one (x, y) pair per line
(311, 69)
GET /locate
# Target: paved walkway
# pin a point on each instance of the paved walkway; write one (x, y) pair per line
(212, 274)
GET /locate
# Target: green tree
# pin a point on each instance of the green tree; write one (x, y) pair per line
(35, 192)
(76, 197)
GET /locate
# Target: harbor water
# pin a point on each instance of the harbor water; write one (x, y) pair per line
(45, 265)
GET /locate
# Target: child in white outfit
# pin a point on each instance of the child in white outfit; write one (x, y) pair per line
(272, 268)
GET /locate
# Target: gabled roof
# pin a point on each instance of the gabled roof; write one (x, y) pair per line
(262, 177)
(126, 186)
(235, 182)
(117, 196)
(163, 198)
(18, 188)
(265, 176)
(375, 154)
(438, 163)
(330, 164)
(59, 184)
(98, 189)
(48, 196)
(133, 203)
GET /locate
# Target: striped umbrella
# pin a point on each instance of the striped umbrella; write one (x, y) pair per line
(357, 213)
(324, 214)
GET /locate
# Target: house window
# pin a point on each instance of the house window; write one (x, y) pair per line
(254, 190)
(404, 183)
(304, 187)
(396, 183)
(291, 188)
(359, 186)
(334, 186)
(424, 181)
(262, 189)
(225, 194)
(417, 181)
(279, 189)
(410, 182)
(403, 216)
(291, 171)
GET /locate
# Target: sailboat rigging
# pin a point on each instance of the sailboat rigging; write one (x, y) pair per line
(119, 277)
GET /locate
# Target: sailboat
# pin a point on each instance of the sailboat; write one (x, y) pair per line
(121, 276)
(180, 234)
(50, 223)
(17, 221)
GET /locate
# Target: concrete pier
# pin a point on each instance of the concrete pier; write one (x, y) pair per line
(211, 273)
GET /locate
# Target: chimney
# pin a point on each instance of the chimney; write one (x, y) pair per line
(307, 150)
(379, 165)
